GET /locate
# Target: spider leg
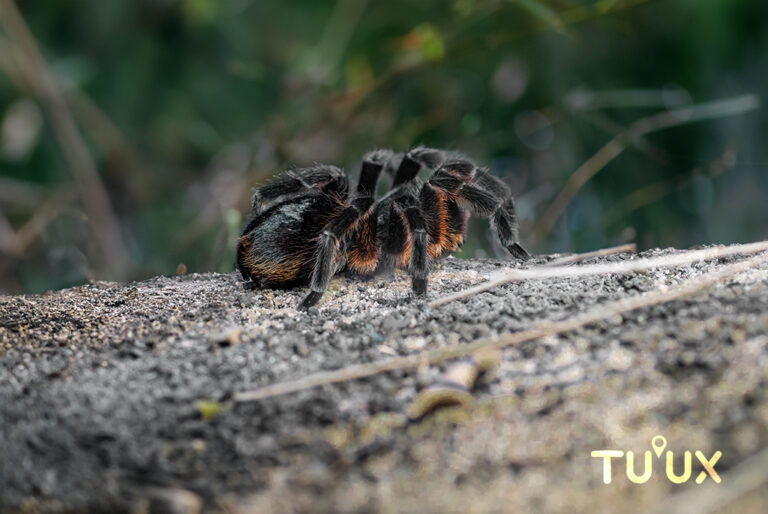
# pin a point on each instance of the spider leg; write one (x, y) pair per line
(486, 196)
(328, 246)
(373, 163)
(504, 217)
(418, 266)
(403, 237)
(291, 182)
(414, 159)
(388, 223)
(332, 235)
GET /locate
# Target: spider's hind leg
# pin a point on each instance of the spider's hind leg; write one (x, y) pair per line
(294, 181)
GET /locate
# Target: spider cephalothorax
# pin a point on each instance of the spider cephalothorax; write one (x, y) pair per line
(305, 226)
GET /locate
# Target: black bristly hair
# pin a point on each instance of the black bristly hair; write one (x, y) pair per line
(305, 225)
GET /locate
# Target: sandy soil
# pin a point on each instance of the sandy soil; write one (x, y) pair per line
(117, 397)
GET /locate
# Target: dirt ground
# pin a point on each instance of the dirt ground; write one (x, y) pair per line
(118, 397)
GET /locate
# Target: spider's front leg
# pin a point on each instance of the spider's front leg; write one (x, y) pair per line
(504, 217)
(486, 196)
(501, 214)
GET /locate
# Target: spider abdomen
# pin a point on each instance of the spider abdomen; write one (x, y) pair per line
(277, 248)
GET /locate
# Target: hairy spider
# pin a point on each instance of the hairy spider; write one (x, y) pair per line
(304, 226)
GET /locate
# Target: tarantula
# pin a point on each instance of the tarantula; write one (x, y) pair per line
(304, 226)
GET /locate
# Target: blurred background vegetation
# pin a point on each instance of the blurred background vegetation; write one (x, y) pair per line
(131, 131)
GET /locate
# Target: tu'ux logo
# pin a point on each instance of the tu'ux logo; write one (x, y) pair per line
(659, 443)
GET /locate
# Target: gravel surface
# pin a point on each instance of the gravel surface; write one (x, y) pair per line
(116, 397)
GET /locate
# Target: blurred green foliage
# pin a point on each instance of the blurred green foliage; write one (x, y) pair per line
(187, 104)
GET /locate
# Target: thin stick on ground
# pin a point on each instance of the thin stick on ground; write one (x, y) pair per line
(640, 128)
(101, 216)
(571, 259)
(541, 329)
(544, 272)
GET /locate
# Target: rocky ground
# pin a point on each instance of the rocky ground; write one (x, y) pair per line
(118, 397)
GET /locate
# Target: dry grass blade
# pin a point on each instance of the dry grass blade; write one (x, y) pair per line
(545, 272)
(571, 259)
(542, 329)
(94, 121)
(44, 215)
(640, 128)
(30, 63)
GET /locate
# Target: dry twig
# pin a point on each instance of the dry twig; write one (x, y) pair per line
(571, 259)
(542, 329)
(545, 272)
